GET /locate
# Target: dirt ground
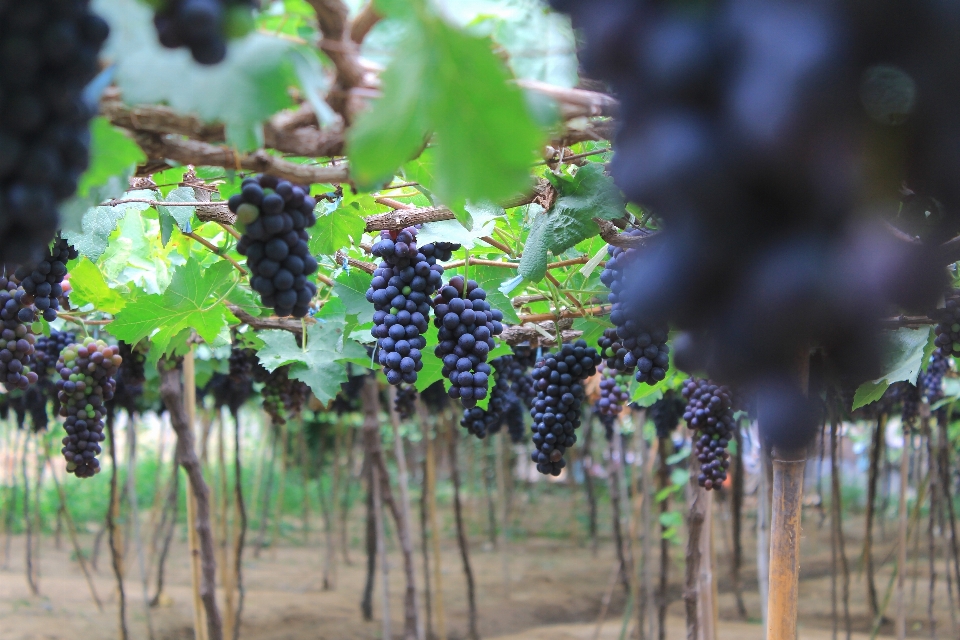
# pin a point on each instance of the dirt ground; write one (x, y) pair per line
(555, 592)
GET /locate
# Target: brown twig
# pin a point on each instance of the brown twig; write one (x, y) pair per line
(499, 245)
(368, 267)
(333, 19)
(575, 102)
(160, 146)
(364, 22)
(74, 319)
(212, 247)
(293, 325)
(588, 311)
(520, 334)
(480, 262)
(611, 235)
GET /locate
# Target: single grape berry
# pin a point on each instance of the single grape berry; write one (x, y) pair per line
(558, 378)
(273, 215)
(86, 384)
(709, 413)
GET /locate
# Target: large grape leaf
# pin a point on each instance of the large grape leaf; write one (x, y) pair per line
(193, 299)
(90, 232)
(342, 227)
(431, 363)
(587, 195)
(242, 91)
(451, 83)
(321, 364)
(904, 361)
(351, 287)
(89, 287)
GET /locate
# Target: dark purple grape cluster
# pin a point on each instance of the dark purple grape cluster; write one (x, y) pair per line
(931, 380)
(556, 411)
(281, 394)
(947, 329)
(47, 350)
(43, 282)
(709, 412)
(348, 399)
(505, 405)
(435, 397)
(202, 26)
(86, 384)
(633, 344)
(235, 387)
(613, 396)
(130, 379)
(746, 129)
(405, 402)
(17, 341)
(48, 54)
(666, 412)
(400, 292)
(32, 402)
(909, 404)
(274, 215)
(466, 326)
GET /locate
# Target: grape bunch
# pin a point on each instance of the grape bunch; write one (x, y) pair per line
(48, 54)
(947, 328)
(47, 350)
(746, 129)
(612, 395)
(400, 292)
(467, 324)
(504, 405)
(273, 215)
(633, 344)
(130, 379)
(348, 399)
(282, 395)
(931, 380)
(202, 26)
(32, 402)
(86, 384)
(17, 341)
(43, 282)
(556, 411)
(666, 413)
(435, 397)
(405, 402)
(709, 412)
(909, 404)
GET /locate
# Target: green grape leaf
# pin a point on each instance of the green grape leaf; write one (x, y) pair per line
(587, 195)
(489, 279)
(242, 91)
(89, 287)
(484, 217)
(321, 365)
(112, 153)
(904, 362)
(97, 223)
(191, 301)
(592, 328)
(247, 299)
(337, 229)
(351, 287)
(179, 216)
(451, 83)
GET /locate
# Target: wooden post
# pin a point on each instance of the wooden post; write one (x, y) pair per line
(764, 505)
(431, 488)
(785, 548)
(500, 460)
(706, 594)
(902, 536)
(193, 541)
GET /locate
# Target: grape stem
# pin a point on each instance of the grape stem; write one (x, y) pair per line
(212, 247)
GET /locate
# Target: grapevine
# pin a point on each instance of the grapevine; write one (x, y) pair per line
(274, 215)
(86, 383)
(556, 412)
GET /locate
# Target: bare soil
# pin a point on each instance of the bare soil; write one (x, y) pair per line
(555, 591)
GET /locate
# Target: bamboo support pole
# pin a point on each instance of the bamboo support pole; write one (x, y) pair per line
(901, 622)
(431, 488)
(193, 539)
(785, 549)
